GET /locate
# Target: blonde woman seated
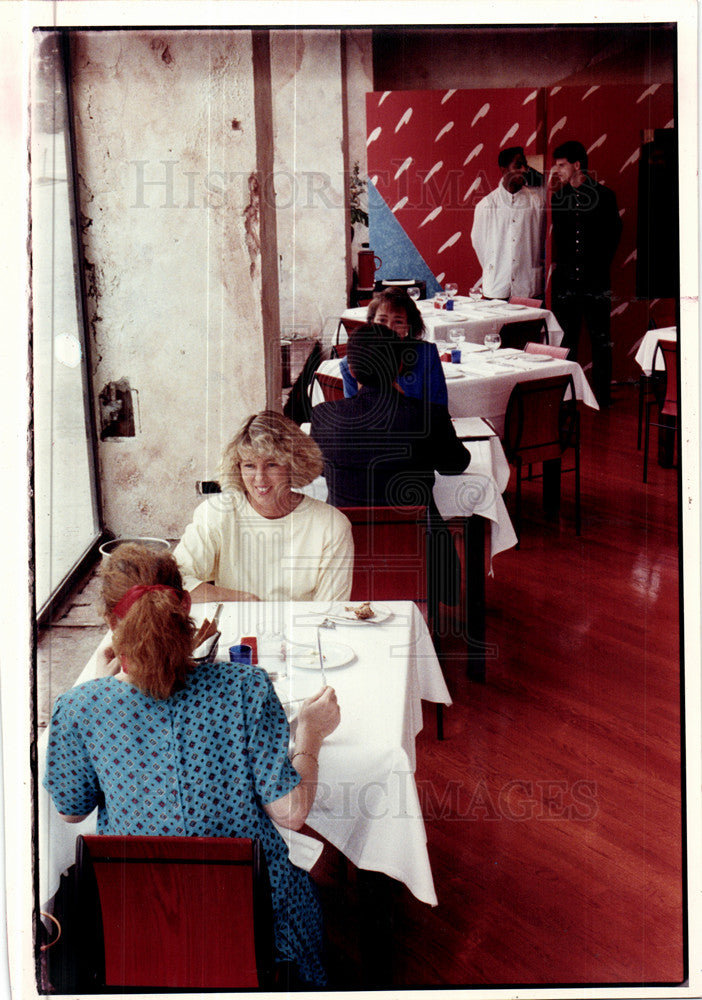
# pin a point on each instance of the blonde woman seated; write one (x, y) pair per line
(259, 539)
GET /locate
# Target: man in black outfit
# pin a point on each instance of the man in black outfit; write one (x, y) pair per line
(586, 232)
(381, 447)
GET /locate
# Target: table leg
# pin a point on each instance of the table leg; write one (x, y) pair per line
(552, 487)
(474, 594)
(376, 892)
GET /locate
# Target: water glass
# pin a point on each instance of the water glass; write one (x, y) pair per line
(451, 289)
(493, 341)
(413, 293)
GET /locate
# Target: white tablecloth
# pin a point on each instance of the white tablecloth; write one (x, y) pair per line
(481, 385)
(475, 319)
(367, 803)
(647, 347)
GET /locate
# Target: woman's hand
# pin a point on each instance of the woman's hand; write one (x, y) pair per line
(318, 717)
(320, 713)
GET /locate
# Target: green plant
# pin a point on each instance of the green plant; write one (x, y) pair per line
(357, 188)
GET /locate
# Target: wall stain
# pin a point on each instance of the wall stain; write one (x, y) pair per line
(252, 222)
(158, 45)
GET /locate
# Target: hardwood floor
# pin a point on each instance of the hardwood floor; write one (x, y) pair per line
(553, 806)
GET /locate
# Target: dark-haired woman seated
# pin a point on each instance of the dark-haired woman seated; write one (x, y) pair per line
(422, 376)
(141, 746)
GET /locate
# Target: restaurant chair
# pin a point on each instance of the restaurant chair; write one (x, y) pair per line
(664, 384)
(331, 385)
(534, 303)
(553, 352)
(541, 423)
(344, 329)
(391, 563)
(517, 335)
(173, 913)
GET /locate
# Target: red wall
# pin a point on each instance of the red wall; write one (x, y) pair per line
(453, 138)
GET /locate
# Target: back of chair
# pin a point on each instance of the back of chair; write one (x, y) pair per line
(552, 352)
(518, 334)
(665, 382)
(347, 326)
(515, 300)
(179, 912)
(538, 425)
(390, 553)
(331, 385)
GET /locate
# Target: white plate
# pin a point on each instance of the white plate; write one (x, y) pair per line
(305, 657)
(451, 370)
(382, 613)
(540, 358)
(513, 306)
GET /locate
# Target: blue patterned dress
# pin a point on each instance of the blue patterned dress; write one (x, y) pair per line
(201, 763)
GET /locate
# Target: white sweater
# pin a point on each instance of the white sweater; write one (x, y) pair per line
(305, 556)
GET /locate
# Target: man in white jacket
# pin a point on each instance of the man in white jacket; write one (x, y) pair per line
(509, 232)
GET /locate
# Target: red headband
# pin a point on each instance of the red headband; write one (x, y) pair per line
(134, 593)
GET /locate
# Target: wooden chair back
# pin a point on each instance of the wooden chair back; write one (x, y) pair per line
(177, 913)
(517, 335)
(390, 553)
(665, 381)
(552, 352)
(535, 303)
(537, 423)
(331, 385)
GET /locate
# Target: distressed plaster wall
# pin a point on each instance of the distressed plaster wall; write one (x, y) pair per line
(166, 147)
(359, 82)
(312, 221)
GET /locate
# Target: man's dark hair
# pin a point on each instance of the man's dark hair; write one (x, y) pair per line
(505, 156)
(571, 151)
(373, 355)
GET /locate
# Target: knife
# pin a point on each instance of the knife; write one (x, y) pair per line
(321, 658)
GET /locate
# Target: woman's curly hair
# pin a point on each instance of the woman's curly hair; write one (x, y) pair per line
(270, 435)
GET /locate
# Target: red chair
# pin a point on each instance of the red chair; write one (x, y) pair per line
(174, 913)
(664, 384)
(536, 303)
(540, 425)
(390, 562)
(331, 385)
(553, 352)
(346, 326)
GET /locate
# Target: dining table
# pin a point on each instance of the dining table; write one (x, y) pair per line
(481, 384)
(473, 318)
(367, 803)
(647, 347)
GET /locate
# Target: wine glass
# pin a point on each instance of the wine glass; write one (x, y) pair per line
(413, 293)
(451, 289)
(475, 295)
(493, 341)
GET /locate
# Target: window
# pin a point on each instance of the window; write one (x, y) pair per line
(66, 517)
